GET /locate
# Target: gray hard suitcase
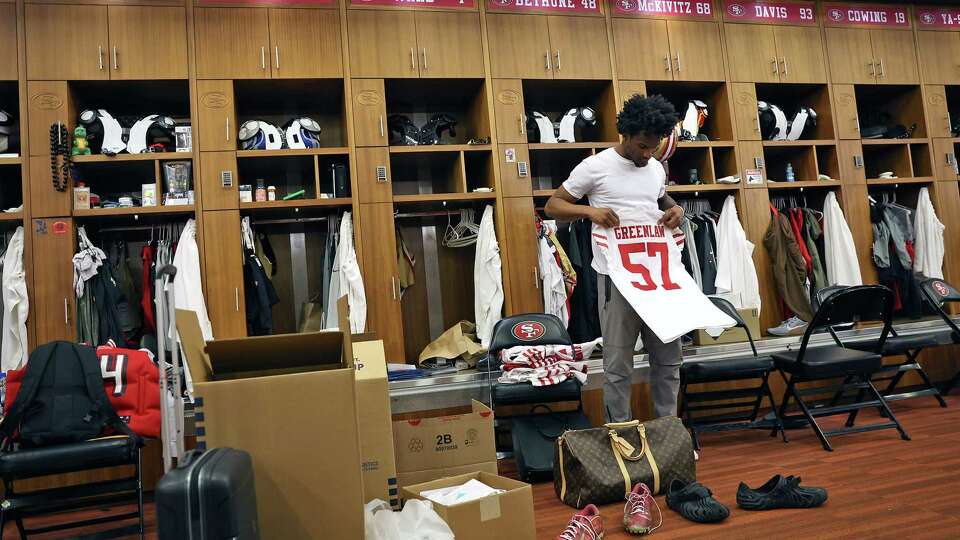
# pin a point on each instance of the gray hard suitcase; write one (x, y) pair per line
(209, 496)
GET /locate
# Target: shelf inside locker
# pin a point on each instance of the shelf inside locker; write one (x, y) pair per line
(135, 211)
(685, 162)
(817, 142)
(891, 105)
(893, 158)
(905, 194)
(11, 161)
(279, 101)
(419, 100)
(706, 144)
(298, 203)
(11, 216)
(703, 188)
(792, 97)
(554, 98)
(444, 198)
(332, 151)
(288, 174)
(422, 174)
(437, 148)
(920, 160)
(150, 156)
(572, 146)
(897, 181)
(549, 168)
(539, 193)
(112, 180)
(828, 162)
(812, 184)
(801, 158)
(718, 125)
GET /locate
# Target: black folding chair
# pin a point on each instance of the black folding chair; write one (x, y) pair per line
(897, 345)
(938, 292)
(863, 303)
(732, 369)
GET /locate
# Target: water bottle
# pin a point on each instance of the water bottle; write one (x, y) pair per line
(790, 175)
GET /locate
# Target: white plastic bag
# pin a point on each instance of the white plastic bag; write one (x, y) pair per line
(417, 521)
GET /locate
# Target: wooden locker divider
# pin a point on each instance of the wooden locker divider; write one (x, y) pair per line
(755, 217)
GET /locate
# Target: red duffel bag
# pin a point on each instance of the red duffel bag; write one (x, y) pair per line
(132, 383)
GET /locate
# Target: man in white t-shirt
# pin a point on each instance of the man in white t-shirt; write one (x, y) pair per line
(618, 179)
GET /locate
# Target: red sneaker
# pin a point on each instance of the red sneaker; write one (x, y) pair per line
(636, 513)
(584, 525)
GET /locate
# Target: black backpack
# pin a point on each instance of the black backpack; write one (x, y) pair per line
(61, 399)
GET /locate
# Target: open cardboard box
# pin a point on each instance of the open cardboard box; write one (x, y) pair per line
(503, 515)
(290, 401)
(376, 433)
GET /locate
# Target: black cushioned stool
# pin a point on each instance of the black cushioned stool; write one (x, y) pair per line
(733, 369)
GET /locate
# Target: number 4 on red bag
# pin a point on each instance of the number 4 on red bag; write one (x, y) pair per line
(653, 250)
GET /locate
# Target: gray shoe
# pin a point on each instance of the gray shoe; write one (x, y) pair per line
(791, 327)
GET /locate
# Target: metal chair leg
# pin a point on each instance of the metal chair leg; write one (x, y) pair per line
(926, 381)
(806, 412)
(883, 403)
(852, 417)
(139, 471)
(21, 529)
(685, 414)
(773, 408)
(839, 394)
(783, 403)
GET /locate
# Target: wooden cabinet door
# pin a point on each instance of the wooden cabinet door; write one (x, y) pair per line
(649, 36)
(52, 299)
(896, 56)
(745, 111)
(162, 56)
(944, 160)
(305, 43)
(232, 43)
(380, 277)
(845, 107)
(696, 51)
(938, 116)
(8, 42)
(382, 44)
(223, 259)
(213, 194)
(511, 183)
(939, 57)
(509, 112)
(369, 112)
(580, 47)
(752, 53)
(449, 45)
(66, 42)
(372, 187)
(519, 46)
(801, 54)
(216, 116)
(851, 56)
(524, 293)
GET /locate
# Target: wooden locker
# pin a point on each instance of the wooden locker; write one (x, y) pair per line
(305, 43)
(45, 201)
(944, 160)
(52, 304)
(851, 56)
(214, 196)
(509, 112)
(856, 210)
(373, 186)
(449, 45)
(896, 56)
(755, 215)
(48, 102)
(580, 47)
(628, 89)
(8, 42)
(845, 109)
(382, 44)
(696, 49)
(369, 112)
(232, 43)
(380, 278)
(521, 263)
(939, 57)
(66, 42)
(223, 257)
(519, 46)
(216, 127)
(850, 156)
(752, 53)
(801, 54)
(745, 111)
(147, 42)
(751, 155)
(938, 116)
(511, 183)
(649, 36)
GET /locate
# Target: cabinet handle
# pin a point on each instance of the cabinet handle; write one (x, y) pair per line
(536, 277)
(381, 126)
(424, 58)
(881, 68)
(100, 55)
(856, 123)
(546, 61)
(413, 59)
(236, 298)
(558, 59)
(785, 72)
(263, 58)
(757, 120)
(776, 66)
(666, 63)
(523, 127)
(873, 68)
(678, 62)
(66, 312)
(115, 64)
(227, 123)
(276, 53)
(393, 287)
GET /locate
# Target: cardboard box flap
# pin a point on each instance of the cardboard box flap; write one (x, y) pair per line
(283, 351)
(492, 480)
(192, 344)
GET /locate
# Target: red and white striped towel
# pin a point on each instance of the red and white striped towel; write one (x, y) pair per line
(545, 365)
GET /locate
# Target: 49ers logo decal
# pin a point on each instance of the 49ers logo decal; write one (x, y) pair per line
(528, 330)
(940, 288)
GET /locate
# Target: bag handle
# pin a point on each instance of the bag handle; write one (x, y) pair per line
(624, 450)
(622, 425)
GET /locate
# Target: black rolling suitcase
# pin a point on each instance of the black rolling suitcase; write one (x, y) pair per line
(209, 496)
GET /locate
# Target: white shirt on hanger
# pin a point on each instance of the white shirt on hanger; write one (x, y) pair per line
(487, 279)
(554, 289)
(736, 273)
(187, 286)
(350, 278)
(16, 306)
(928, 233)
(840, 255)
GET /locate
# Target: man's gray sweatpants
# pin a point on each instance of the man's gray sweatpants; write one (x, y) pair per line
(621, 325)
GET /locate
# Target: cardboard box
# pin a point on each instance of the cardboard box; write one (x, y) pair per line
(290, 401)
(375, 424)
(732, 335)
(432, 448)
(504, 515)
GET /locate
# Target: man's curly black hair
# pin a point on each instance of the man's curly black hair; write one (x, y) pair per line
(652, 115)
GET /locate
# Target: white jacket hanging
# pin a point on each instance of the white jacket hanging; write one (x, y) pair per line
(928, 234)
(187, 286)
(554, 289)
(840, 255)
(16, 306)
(736, 273)
(487, 279)
(350, 278)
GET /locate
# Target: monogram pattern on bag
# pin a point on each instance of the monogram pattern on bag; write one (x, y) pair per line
(591, 470)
